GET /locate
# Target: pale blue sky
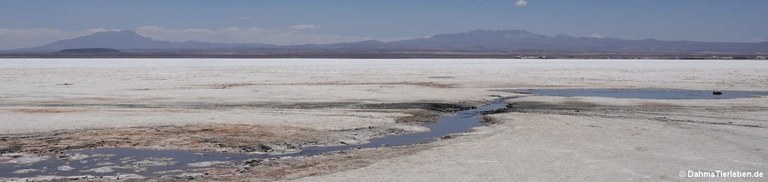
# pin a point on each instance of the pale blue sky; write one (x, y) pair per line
(317, 21)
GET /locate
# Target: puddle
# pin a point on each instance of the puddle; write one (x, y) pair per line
(155, 163)
(644, 93)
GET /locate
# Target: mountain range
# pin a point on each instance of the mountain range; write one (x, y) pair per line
(129, 40)
(479, 41)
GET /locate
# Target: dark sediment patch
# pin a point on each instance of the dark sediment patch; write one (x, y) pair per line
(488, 120)
(50, 107)
(233, 85)
(442, 77)
(46, 110)
(662, 113)
(419, 117)
(440, 107)
(228, 137)
(643, 93)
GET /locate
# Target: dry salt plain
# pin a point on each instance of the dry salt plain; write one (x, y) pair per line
(58, 109)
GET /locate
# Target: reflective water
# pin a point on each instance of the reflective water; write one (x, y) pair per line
(148, 163)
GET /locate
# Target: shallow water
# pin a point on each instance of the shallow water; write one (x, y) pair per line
(644, 93)
(150, 163)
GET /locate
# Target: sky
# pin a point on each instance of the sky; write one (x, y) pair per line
(25, 23)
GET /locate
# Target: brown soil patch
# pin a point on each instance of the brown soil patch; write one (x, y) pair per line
(419, 116)
(233, 138)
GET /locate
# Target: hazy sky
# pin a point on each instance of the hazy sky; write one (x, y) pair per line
(26, 23)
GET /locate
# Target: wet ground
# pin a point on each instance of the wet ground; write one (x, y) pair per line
(644, 93)
(58, 109)
(157, 163)
(141, 163)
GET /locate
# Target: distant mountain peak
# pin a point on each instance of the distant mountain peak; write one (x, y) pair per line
(117, 33)
(492, 34)
(499, 31)
(130, 40)
(479, 40)
(482, 40)
(116, 36)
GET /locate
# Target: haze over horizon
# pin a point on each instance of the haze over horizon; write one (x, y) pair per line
(287, 22)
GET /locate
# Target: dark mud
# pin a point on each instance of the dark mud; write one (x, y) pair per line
(644, 93)
(60, 107)
(440, 107)
(233, 85)
(223, 137)
(661, 113)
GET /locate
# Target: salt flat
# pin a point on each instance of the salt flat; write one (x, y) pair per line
(606, 140)
(34, 83)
